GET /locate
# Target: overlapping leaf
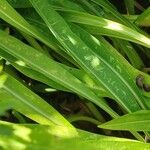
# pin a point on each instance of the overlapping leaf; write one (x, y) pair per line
(36, 75)
(93, 57)
(37, 137)
(20, 98)
(144, 18)
(138, 121)
(113, 76)
(48, 68)
(99, 25)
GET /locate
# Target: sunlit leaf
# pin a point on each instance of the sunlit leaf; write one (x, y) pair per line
(20, 98)
(20, 137)
(90, 57)
(138, 121)
(48, 68)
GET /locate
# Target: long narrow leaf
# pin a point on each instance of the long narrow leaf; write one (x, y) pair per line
(111, 9)
(10, 15)
(138, 121)
(37, 137)
(91, 61)
(103, 26)
(48, 68)
(144, 18)
(23, 100)
(20, 3)
(36, 75)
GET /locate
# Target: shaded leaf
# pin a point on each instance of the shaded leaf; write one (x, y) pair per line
(144, 18)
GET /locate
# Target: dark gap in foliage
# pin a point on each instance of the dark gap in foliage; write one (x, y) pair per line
(113, 104)
(7, 116)
(142, 53)
(142, 4)
(119, 5)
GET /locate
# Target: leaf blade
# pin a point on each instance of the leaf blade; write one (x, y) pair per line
(48, 68)
(138, 121)
(45, 140)
(28, 103)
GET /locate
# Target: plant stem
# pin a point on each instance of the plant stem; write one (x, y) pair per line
(95, 112)
(75, 118)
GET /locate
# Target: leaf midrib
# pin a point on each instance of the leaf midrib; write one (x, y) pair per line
(27, 29)
(123, 80)
(127, 123)
(93, 97)
(132, 91)
(32, 106)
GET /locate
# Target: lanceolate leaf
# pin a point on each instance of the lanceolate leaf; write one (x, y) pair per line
(33, 18)
(83, 62)
(9, 14)
(48, 68)
(88, 60)
(130, 52)
(37, 137)
(93, 57)
(20, 3)
(36, 75)
(113, 65)
(29, 71)
(138, 121)
(100, 25)
(66, 4)
(26, 102)
(144, 18)
(130, 4)
(104, 26)
(55, 3)
(106, 5)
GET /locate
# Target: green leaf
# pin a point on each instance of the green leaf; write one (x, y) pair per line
(37, 137)
(89, 8)
(28, 71)
(28, 103)
(109, 7)
(144, 18)
(56, 3)
(20, 3)
(66, 4)
(10, 15)
(31, 16)
(130, 52)
(90, 58)
(99, 25)
(104, 56)
(4, 104)
(36, 75)
(48, 68)
(138, 121)
(130, 6)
